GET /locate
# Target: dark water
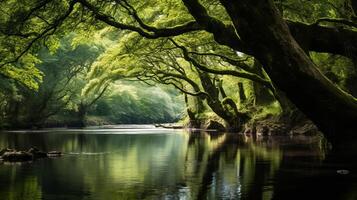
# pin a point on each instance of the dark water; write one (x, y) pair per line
(114, 164)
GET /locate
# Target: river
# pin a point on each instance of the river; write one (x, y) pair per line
(143, 162)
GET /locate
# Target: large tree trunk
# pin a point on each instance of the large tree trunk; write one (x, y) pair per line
(265, 33)
(263, 95)
(193, 112)
(234, 119)
(213, 100)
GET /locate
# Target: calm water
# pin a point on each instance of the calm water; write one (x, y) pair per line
(149, 163)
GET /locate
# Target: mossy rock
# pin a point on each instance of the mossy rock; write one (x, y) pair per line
(17, 156)
(3, 151)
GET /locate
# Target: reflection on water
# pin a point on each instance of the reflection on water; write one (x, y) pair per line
(174, 165)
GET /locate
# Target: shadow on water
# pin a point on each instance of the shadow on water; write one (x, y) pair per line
(334, 176)
(179, 165)
(300, 167)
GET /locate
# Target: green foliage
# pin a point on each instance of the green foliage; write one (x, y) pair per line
(310, 11)
(131, 102)
(338, 69)
(24, 72)
(60, 57)
(68, 90)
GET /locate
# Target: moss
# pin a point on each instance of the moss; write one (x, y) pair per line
(271, 110)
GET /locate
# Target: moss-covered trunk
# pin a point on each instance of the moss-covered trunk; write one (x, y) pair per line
(265, 33)
(263, 95)
(226, 109)
(193, 112)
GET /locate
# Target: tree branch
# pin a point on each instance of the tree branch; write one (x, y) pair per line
(98, 97)
(340, 21)
(245, 75)
(200, 93)
(237, 63)
(150, 32)
(325, 39)
(49, 30)
(223, 33)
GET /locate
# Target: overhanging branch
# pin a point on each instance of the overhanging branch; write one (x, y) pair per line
(334, 20)
(146, 31)
(245, 75)
(48, 31)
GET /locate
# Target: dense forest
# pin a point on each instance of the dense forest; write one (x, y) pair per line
(250, 65)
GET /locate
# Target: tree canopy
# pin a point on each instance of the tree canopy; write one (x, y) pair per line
(303, 51)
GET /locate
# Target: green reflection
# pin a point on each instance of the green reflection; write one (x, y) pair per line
(26, 187)
(176, 165)
(228, 166)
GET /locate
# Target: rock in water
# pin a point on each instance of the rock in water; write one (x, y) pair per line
(17, 156)
(54, 153)
(3, 151)
(36, 153)
(343, 171)
(11, 155)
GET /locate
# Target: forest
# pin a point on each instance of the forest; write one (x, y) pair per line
(253, 67)
(73, 63)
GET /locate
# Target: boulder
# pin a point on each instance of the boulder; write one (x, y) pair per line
(17, 156)
(11, 155)
(36, 153)
(54, 154)
(3, 151)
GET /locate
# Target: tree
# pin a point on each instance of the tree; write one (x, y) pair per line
(290, 68)
(254, 27)
(61, 71)
(166, 62)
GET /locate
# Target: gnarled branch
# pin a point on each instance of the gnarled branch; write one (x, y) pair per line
(146, 31)
(245, 75)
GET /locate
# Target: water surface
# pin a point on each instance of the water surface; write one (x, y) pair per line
(146, 163)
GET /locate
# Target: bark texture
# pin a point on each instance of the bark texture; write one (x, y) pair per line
(226, 109)
(262, 29)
